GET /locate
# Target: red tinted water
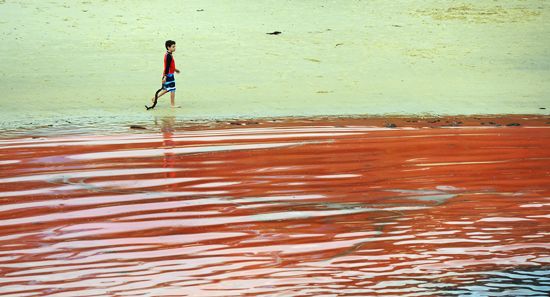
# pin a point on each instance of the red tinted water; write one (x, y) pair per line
(291, 208)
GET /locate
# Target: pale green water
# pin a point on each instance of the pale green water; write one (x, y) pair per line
(98, 62)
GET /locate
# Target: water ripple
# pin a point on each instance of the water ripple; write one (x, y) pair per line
(318, 210)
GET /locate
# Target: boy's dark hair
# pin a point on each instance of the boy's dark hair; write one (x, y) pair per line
(169, 43)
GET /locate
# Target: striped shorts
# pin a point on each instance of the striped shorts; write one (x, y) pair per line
(170, 84)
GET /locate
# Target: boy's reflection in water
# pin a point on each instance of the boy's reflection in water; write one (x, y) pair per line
(169, 160)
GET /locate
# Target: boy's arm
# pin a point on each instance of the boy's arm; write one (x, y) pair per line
(167, 64)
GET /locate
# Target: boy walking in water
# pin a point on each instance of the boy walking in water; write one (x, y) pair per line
(168, 80)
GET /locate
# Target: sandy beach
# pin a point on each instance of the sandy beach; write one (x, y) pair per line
(99, 62)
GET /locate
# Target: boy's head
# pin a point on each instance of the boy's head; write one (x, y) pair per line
(170, 45)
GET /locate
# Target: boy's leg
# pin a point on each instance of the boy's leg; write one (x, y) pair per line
(160, 94)
(173, 98)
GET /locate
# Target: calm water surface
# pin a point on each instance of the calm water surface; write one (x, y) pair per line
(281, 210)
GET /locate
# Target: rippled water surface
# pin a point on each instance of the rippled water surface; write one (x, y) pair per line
(280, 210)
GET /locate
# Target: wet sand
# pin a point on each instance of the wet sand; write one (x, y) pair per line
(99, 62)
(300, 207)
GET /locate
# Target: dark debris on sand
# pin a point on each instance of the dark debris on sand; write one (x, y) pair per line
(138, 127)
(243, 123)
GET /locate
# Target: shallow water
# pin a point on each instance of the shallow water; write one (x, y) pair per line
(278, 210)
